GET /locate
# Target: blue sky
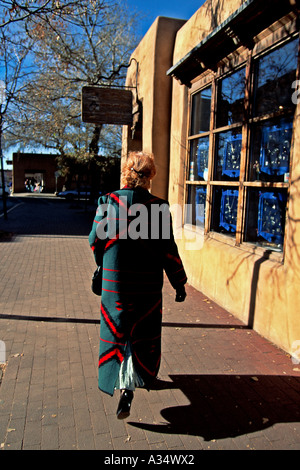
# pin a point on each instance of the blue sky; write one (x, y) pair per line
(150, 9)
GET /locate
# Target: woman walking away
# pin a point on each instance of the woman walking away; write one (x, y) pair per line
(132, 239)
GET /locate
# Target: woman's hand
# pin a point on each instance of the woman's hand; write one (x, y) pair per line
(180, 294)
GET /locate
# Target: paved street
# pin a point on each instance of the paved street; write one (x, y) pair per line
(221, 385)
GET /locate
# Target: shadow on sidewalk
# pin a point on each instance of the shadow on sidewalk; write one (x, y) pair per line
(224, 406)
(44, 216)
(8, 316)
(63, 319)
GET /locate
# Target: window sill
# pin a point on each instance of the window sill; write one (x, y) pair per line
(262, 252)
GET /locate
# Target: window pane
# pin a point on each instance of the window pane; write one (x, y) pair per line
(265, 217)
(231, 92)
(199, 159)
(275, 74)
(195, 209)
(201, 102)
(224, 210)
(270, 151)
(228, 154)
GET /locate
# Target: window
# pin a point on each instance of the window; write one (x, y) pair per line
(201, 111)
(231, 94)
(241, 124)
(195, 213)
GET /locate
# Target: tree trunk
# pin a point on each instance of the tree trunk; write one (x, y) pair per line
(94, 151)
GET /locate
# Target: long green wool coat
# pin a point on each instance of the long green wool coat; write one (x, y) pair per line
(132, 239)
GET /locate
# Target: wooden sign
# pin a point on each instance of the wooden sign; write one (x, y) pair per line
(106, 105)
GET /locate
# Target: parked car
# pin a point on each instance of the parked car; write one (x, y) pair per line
(73, 194)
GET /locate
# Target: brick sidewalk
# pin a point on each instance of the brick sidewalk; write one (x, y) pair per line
(221, 386)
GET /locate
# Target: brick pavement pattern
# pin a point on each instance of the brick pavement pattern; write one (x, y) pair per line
(221, 385)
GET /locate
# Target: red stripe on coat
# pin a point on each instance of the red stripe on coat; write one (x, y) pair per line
(110, 355)
(152, 373)
(146, 314)
(118, 200)
(110, 323)
(174, 258)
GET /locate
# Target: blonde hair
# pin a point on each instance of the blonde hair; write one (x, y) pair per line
(138, 170)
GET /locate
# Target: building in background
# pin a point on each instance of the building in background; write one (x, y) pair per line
(41, 173)
(217, 102)
(35, 171)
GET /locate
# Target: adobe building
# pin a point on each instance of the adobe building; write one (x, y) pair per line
(37, 168)
(217, 103)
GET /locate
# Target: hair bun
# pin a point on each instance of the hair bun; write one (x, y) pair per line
(139, 173)
(138, 169)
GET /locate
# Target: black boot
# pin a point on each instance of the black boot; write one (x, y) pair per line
(123, 410)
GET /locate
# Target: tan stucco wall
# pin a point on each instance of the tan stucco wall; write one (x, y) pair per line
(154, 55)
(262, 292)
(35, 163)
(204, 21)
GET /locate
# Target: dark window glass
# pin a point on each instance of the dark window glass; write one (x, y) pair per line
(228, 154)
(195, 209)
(199, 159)
(265, 217)
(270, 150)
(224, 213)
(275, 73)
(231, 92)
(201, 102)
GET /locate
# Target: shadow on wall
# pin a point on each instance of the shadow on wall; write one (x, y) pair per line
(253, 289)
(292, 250)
